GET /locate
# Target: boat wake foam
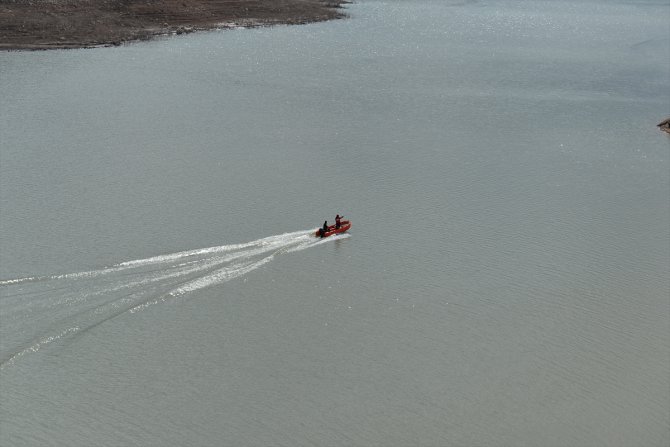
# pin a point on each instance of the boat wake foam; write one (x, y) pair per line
(38, 311)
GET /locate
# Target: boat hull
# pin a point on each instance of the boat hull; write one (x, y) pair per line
(344, 226)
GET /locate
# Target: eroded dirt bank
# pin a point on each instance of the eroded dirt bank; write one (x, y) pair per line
(44, 24)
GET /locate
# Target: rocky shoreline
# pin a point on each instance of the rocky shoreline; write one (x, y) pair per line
(664, 125)
(47, 24)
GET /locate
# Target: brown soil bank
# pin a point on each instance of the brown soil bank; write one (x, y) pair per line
(664, 125)
(43, 24)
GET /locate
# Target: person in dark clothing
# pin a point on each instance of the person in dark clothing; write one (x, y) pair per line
(323, 230)
(337, 221)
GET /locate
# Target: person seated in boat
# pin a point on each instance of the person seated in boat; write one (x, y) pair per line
(324, 229)
(338, 223)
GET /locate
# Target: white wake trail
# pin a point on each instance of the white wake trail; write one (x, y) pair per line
(41, 311)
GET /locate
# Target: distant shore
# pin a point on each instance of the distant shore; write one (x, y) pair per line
(47, 24)
(664, 125)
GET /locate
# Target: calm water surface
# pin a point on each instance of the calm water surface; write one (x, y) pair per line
(505, 282)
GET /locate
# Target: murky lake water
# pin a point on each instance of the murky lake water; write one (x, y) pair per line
(505, 282)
